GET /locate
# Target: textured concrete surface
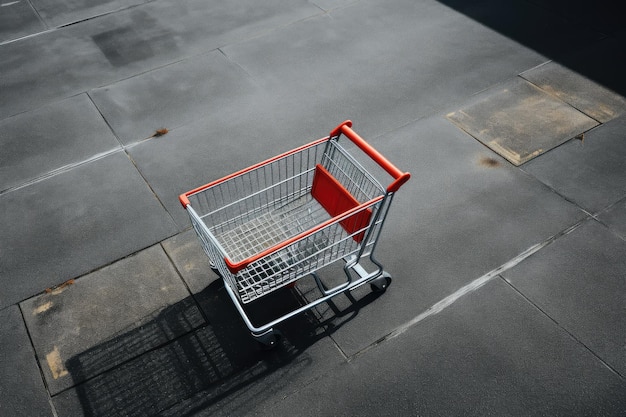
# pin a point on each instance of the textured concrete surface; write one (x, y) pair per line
(507, 292)
(23, 392)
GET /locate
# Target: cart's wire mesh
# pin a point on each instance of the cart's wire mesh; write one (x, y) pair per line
(249, 213)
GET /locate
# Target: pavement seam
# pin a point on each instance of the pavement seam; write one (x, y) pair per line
(606, 210)
(569, 200)
(467, 289)
(125, 148)
(131, 359)
(61, 170)
(34, 9)
(156, 196)
(38, 363)
(191, 293)
(570, 334)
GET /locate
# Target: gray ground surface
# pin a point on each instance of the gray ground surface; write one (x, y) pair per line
(507, 246)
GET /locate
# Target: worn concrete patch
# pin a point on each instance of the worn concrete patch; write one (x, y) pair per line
(589, 97)
(142, 293)
(520, 121)
(171, 96)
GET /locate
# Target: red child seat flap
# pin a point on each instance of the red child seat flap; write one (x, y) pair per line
(335, 199)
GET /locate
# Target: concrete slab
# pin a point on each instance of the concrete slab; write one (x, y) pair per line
(120, 45)
(371, 62)
(464, 213)
(217, 369)
(590, 172)
(21, 387)
(490, 353)
(142, 293)
(171, 96)
(615, 218)
(50, 138)
(589, 97)
(57, 14)
(18, 19)
(74, 222)
(579, 282)
(520, 121)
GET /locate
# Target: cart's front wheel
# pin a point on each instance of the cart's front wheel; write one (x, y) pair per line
(268, 340)
(381, 283)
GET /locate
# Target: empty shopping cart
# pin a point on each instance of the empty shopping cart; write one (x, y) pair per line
(268, 225)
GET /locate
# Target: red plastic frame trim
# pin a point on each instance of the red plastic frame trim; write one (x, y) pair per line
(184, 198)
(400, 178)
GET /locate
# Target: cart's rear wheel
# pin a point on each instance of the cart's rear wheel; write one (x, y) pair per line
(381, 283)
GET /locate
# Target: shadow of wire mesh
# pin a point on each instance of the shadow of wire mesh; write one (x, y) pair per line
(214, 366)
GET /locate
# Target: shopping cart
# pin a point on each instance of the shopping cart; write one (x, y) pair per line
(268, 225)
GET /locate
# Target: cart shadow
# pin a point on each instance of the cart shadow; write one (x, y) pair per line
(157, 369)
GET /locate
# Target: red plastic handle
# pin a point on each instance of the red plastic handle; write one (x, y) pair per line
(399, 176)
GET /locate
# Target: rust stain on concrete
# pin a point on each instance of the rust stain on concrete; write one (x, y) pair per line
(489, 162)
(60, 288)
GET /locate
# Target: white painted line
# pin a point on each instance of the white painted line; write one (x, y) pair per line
(479, 282)
(10, 3)
(469, 288)
(61, 170)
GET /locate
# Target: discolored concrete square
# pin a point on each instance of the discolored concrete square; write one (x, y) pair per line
(57, 13)
(116, 313)
(39, 69)
(520, 121)
(589, 97)
(124, 45)
(170, 96)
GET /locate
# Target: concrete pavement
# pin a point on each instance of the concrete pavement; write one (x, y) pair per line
(507, 247)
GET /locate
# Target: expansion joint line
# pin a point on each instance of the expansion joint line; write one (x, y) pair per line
(468, 289)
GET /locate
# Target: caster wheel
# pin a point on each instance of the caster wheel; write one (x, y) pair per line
(381, 283)
(269, 340)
